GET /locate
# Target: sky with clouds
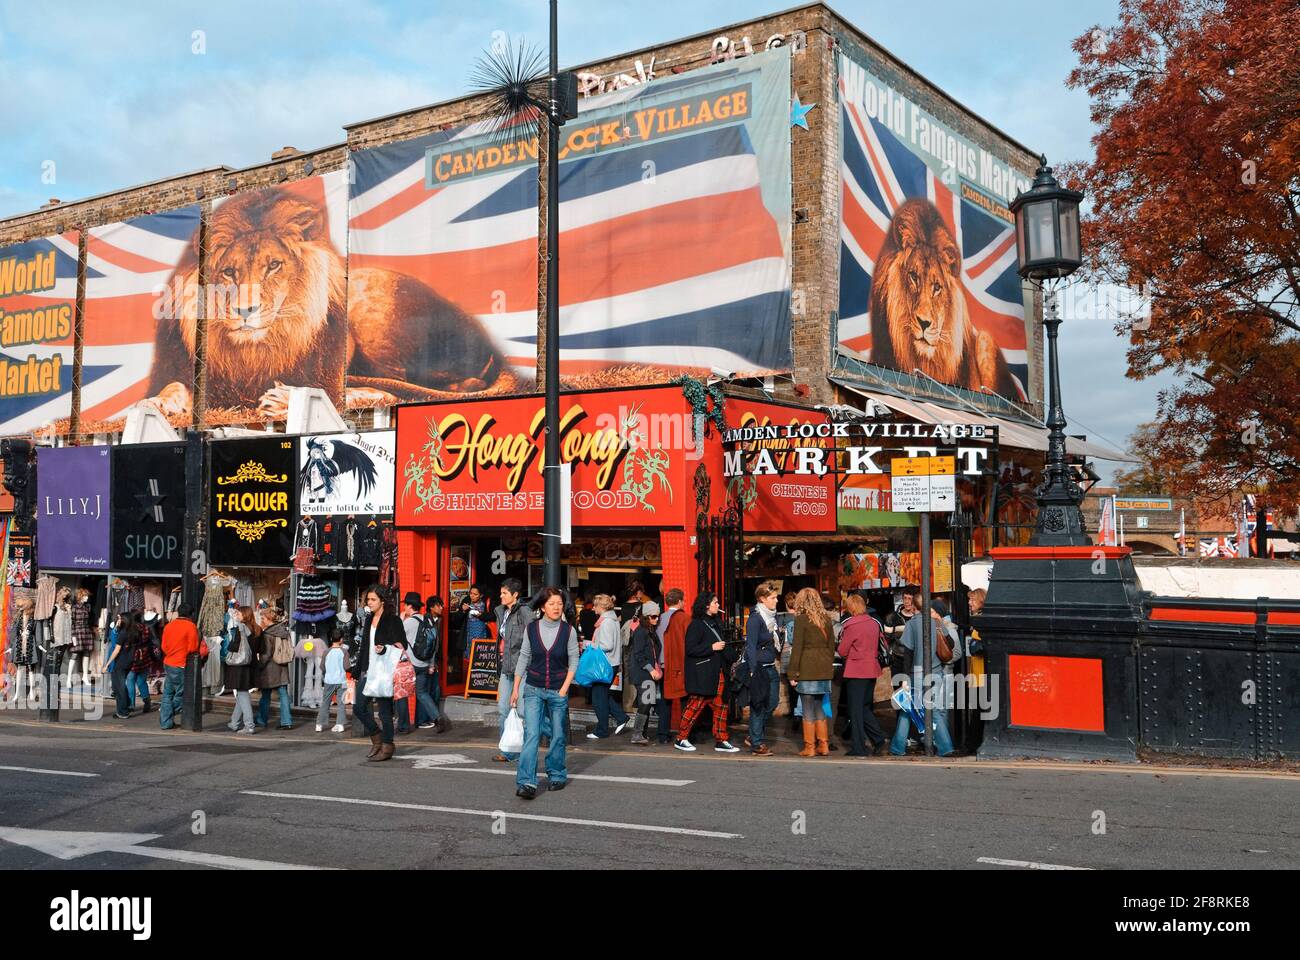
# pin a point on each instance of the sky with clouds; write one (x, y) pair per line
(118, 94)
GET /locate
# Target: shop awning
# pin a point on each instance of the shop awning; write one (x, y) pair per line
(1010, 433)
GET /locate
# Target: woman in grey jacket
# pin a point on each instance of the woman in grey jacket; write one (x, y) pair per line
(608, 638)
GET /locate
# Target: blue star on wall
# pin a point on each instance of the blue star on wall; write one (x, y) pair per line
(799, 113)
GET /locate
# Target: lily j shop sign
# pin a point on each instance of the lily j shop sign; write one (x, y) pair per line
(854, 448)
(479, 463)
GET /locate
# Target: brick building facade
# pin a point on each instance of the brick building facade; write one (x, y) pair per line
(815, 34)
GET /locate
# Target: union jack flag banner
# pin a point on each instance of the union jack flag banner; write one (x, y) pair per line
(674, 218)
(128, 266)
(38, 296)
(1218, 547)
(911, 192)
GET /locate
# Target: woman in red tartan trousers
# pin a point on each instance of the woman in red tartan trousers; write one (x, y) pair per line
(704, 676)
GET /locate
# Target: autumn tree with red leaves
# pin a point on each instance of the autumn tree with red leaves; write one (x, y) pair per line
(1195, 199)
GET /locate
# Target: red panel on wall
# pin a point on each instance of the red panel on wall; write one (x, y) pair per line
(678, 558)
(1057, 693)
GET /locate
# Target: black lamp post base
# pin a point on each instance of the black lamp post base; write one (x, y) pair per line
(1060, 521)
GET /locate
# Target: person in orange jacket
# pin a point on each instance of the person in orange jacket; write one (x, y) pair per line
(180, 639)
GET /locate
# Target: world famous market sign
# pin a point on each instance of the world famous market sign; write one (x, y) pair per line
(480, 463)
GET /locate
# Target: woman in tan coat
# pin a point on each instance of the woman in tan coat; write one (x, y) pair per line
(812, 666)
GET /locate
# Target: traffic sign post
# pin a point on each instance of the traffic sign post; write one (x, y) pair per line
(925, 485)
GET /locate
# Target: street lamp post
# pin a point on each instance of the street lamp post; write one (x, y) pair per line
(1048, 243)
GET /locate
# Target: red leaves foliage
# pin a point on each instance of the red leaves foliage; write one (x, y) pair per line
(1195, 197)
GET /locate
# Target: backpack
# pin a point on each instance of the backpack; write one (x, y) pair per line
(283, 652)
(426, 641)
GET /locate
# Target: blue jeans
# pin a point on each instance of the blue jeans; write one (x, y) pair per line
(426, 704)
(540, 703)
(264, 708)
(942, 741)
(173, 696)
(758, 718)
(136, 682)
(603, 704)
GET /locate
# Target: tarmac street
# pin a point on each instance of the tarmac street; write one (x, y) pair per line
(82, 796)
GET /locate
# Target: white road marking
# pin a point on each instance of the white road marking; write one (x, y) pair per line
(1027, 864)
(71, 844)
(56, 773)
(649, 781)
(426, 761)
(608, 824)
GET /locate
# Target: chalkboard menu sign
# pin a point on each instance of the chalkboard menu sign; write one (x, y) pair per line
(253, 496)
(148, 495)
(484, 668)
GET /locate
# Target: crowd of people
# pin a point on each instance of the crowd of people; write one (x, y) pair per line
(664, 661)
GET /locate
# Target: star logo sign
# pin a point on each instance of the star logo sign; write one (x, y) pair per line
(151, 503)
(799, 113)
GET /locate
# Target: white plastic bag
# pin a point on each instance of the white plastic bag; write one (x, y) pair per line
(512, 738)
(379, 675)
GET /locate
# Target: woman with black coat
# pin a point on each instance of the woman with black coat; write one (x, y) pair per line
(704, 674)
(383, 629)
(646, 676)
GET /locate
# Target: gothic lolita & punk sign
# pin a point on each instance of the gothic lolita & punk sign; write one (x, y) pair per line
(72, 508)
(479, 463)
(252, 501)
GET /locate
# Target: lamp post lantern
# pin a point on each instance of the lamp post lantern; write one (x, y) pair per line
(1048, 245)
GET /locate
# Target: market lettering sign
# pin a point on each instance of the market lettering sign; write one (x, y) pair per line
(480, 463)
(856, 448)
(445, 165)
(252, 501)
(148, 508)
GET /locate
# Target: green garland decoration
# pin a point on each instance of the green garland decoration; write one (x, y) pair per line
(698, 393)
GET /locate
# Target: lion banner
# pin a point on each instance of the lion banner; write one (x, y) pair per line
(928, 275)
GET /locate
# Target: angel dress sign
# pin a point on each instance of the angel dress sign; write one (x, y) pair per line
(347, 473)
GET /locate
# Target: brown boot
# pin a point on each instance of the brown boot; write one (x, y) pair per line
(823, 739)
(386, 751)
(808, 731)
(376, 741)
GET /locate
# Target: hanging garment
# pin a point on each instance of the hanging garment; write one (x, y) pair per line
(370, 547)
(388, 559)
(134, 599)
(174, 600)
(22, 640)
(351, 542)
(212, 608)
(46, 588)
(83, 634)
(314, 602)
(307, 535)
(328, 556)
(153, 596)
(62, 637)
(243, 593)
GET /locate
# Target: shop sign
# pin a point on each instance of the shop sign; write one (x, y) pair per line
(1139, 503)
(347, 473)
(148, 519)
(773, 501)
(252, 501)
(479, 463)
(72, 508)
(21, 570)
(812, 449)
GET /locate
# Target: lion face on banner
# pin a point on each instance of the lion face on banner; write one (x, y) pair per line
(917, 286)
(273, 278)
(919, 319)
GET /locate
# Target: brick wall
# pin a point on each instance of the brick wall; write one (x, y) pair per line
(814, 165)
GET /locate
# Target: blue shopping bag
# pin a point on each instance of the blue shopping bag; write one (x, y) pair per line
(593, 667)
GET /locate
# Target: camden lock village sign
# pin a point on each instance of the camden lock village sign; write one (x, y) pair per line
(841, 449)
